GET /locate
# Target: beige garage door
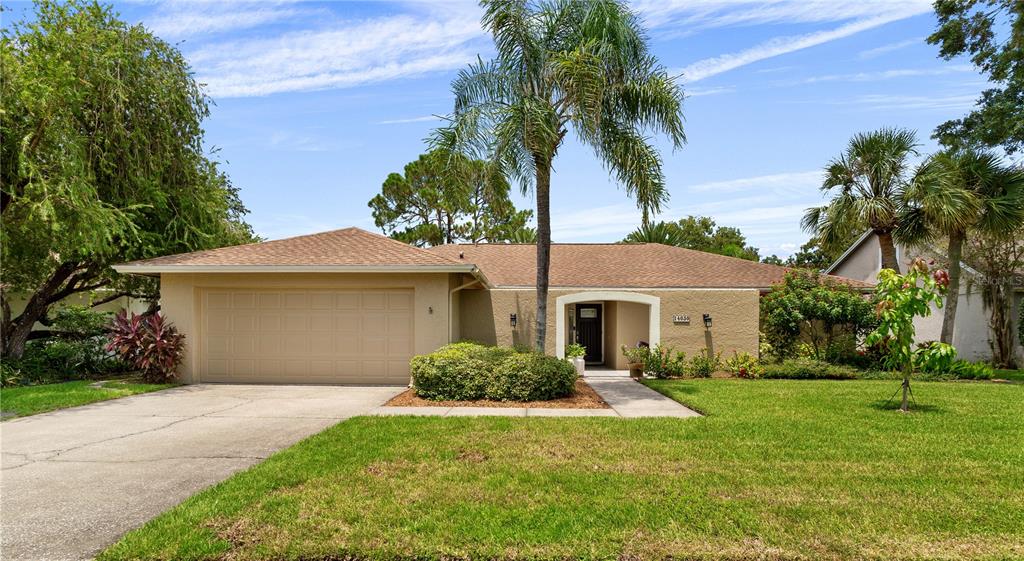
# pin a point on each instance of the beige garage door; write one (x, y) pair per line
(306, 336)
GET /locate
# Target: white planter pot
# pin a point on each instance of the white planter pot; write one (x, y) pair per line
(580, 363)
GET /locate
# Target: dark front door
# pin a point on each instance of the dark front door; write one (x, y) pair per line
(588, 330)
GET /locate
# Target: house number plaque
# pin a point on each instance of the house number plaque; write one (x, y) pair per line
(681, 319)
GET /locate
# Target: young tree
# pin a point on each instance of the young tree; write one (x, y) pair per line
(696, 232)
(561, 65)
(447, 198)
(868, 179)
(901, 298)
(955, 193)
(992, 33)
(102, 159)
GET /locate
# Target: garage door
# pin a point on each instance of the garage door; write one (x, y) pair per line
(306, 336)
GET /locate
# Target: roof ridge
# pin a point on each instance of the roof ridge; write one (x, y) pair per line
(403, 244)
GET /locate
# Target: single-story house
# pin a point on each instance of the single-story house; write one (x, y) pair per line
(971, 333)
(350, 306)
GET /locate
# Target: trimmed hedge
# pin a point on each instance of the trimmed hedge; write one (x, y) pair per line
(808, 369)
(470, 371)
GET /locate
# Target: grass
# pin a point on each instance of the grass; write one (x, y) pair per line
(1015, 375)
(777, 470)
(30, 400)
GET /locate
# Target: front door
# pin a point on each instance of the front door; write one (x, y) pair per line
(588, 330)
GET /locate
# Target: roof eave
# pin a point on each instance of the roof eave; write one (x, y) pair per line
(159, 269)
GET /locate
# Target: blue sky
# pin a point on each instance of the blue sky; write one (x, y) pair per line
(317, 102)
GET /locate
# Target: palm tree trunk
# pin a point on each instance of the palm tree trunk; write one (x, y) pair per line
(543, 166)
(889, 260)
(955, 253)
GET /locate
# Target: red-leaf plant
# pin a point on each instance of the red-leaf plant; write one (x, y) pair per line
(149, 342)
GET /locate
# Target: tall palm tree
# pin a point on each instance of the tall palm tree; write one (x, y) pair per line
(956, 193)
(869, 178)
(561, 65)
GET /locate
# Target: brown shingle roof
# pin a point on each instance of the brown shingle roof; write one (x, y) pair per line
(617, 266)
(349, 247)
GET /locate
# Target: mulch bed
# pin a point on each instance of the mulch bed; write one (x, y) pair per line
(583, 397)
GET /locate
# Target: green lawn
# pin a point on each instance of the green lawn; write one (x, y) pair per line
(29, 400)
(777, 470)
(1016, 375)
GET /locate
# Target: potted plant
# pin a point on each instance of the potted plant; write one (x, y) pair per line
(636, 358)
(574, 352)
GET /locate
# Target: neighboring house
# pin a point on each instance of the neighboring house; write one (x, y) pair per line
(349, 306)
(971, 333)
(136, 305)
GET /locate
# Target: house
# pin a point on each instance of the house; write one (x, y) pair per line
(349, 306)
(971, 334)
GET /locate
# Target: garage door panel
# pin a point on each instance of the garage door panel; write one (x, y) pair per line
(306, 336)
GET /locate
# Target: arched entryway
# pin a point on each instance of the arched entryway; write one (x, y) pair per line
(601, 299)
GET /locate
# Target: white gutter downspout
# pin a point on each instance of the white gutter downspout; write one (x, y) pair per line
(451, 306)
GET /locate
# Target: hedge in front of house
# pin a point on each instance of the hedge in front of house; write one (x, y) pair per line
(809, 369)
(470, 371)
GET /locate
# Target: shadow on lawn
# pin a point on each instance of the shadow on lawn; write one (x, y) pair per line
(894, 405)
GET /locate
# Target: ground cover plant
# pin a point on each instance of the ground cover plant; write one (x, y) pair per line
(776, 470)
(30, 400)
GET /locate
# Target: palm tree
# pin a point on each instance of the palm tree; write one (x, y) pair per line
(956, 193)
(666, 233)
(869, 178)
(561, 65)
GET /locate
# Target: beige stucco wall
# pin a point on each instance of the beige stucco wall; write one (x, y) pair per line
(485, 318)
(180, 302)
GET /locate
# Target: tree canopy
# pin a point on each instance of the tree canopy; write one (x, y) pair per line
(562, 66)
(448, 198)
(992, 33)
(102, 159)
(697, 232)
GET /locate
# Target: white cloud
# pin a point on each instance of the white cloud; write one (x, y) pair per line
(698, 92)
(703, 14)
(348, 54)
(878, 51)
(423, 119)
(889, 74)
(800, 180)
(957, 102)
(176, 20)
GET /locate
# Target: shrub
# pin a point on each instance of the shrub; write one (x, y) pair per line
(965, 370)
(703, 364)
(469, 371)
(933, 357)
(531, 377)
(80, 321)
(743, 365)
(453, 372)
(808, 369)
(663, 362)
(150, 343)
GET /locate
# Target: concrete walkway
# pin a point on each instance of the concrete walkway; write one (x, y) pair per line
(73, 481)
(627, 399)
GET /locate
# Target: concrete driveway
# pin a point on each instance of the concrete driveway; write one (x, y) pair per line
(73, 481)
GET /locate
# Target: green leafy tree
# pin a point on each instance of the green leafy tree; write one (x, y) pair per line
(696, 232)
(867, 180)
(955, 193)
(901, 298)
(565, 65)
(815, 307)
(102, 160)
(992, 33)
(773, 260)
(447, 198)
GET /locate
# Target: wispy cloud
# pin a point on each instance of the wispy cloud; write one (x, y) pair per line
(888, 74)
(783, 45)
(704, 14)
(423, 119)
(878, 51)
(178, 19)
(698, 92)
(892, 102)
(799, 180)
(347, 54)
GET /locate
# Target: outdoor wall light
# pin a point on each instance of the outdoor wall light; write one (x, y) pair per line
(707, 321)
(512, 320)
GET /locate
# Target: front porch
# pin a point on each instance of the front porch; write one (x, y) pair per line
(604, 321)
